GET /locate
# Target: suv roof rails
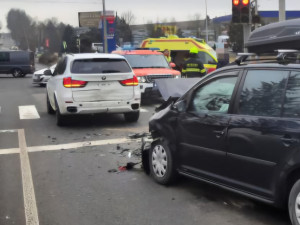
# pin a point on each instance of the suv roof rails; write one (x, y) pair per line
(284, 56)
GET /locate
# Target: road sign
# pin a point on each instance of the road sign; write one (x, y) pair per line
(92, 19)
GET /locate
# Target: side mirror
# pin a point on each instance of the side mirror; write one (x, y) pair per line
(48, 72)
(173, 65)
(180, 106)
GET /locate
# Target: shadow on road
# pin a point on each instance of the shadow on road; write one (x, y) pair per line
(248, 208)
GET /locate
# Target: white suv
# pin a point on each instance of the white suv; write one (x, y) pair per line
(93, 83)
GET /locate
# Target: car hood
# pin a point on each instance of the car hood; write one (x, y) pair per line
(175, 87)
(155, 71)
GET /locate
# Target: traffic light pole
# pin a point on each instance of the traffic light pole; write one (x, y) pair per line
(247, 28)
(246, 32)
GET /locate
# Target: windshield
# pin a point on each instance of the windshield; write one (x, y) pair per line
(147, 61)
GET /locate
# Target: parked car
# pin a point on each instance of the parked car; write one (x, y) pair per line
(93, 83)
(149, 66)
(239, 129)
(40, 78)
(17, 63)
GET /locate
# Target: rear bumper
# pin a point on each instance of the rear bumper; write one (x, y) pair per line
(100, 107)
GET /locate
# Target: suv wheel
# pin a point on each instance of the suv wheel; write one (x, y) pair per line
(17, 73)
(60, 119)
(50, 110)
(161, 163)
(132, 116)
(294, 204)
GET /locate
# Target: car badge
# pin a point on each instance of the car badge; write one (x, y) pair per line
(104, 78)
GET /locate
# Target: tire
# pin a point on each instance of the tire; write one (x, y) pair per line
(60, 119)
(50, 110)
(132, 116)
(17, 73)
(162, 163)
(294, 204)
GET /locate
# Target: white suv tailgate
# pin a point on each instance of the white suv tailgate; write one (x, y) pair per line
(103, 77)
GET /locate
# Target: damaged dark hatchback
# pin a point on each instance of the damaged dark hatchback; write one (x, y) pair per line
(239, 129)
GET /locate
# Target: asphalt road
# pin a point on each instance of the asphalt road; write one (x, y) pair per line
(72, 185)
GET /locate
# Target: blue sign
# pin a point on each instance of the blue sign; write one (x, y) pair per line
(111, 30)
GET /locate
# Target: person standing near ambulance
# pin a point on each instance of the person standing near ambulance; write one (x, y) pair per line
(166, 53)
(193, 67)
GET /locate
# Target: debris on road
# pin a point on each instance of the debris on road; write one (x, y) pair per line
(138, 135)
(129, 166)
(112, 171)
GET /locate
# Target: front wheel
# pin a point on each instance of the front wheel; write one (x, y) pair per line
(294, 204)
(17, 73)
(161, 163)
(132, 116)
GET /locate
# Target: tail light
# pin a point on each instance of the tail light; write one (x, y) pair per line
(69, 83)
(130, 82)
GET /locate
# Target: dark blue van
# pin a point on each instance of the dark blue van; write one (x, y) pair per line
(17, 63)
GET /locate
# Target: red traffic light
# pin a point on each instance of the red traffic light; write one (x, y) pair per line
(245, 2)
(235, 2)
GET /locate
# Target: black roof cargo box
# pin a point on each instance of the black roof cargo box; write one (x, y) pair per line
(281, 35)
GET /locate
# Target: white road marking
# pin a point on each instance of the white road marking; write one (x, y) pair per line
(9, 151)
(28, 112)
(8, 131)
(67, 146)
(143, 110)
(31, 212)
(0, 109)
(78, 145)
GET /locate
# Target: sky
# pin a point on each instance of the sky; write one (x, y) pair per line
(66, 11)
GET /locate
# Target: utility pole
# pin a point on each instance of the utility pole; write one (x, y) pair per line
(104, 28)
(256, 12)
(206, 24)
(281, 10)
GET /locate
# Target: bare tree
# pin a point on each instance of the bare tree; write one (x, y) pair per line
(129, 17)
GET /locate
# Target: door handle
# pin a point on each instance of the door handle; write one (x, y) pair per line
(219, 133)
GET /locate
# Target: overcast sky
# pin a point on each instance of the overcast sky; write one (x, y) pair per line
(144, 10)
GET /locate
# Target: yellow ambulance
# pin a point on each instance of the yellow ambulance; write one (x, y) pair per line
(180, 47)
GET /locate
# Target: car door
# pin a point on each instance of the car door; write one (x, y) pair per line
(259, 139)
(202, 128)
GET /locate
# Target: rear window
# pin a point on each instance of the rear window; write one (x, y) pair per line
(100, 66)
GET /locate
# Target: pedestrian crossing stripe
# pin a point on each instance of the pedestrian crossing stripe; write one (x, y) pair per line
(28, 112)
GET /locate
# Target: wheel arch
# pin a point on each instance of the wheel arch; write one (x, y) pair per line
(286, 185)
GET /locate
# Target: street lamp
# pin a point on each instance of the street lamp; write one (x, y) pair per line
(104, 28)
